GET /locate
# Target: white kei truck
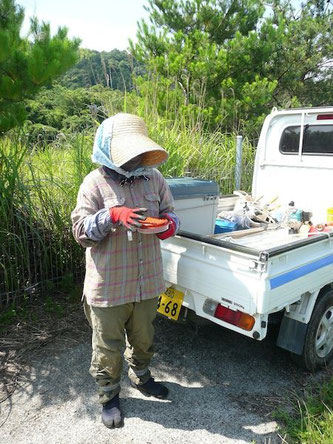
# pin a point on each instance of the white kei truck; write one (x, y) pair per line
(239, 283)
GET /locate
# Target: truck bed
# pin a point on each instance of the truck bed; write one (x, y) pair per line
(272, 237)
(257, 274)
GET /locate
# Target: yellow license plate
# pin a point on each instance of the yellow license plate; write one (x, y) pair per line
(170, 303)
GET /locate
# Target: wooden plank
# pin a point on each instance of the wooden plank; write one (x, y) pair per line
(239, 233)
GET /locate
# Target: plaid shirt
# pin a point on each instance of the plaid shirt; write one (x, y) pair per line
(119, 271)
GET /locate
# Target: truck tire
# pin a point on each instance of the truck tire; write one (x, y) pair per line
(318, 344)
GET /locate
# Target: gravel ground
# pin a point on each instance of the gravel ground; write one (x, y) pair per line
(223, 389)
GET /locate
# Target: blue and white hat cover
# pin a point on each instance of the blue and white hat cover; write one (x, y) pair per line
(125, 133)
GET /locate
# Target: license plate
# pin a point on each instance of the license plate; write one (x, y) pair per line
(170, 303)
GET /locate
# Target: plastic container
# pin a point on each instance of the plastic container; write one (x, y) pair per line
(224, 226)
(196, 203)
(296, 215)
(330, 214)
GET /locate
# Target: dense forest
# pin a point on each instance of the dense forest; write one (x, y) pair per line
(86, 93)
(114, 69)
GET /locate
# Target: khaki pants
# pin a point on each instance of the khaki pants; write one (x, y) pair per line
(109, 325)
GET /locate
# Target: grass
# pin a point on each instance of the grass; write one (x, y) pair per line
(37, 194)
(203, 154)
(312, 418)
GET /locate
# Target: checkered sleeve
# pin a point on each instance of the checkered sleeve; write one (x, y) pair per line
(86, 206)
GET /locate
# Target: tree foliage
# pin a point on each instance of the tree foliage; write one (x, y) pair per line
(302, 60)
(112, 69)
(27, 64)
(232, 60)
(57, 112)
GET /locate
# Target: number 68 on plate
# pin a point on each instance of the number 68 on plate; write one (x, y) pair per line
(170, 302)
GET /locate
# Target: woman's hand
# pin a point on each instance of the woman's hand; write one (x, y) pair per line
(128, 217)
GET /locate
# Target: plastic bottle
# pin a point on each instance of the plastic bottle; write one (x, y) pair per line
(313, 230)
(288, 212)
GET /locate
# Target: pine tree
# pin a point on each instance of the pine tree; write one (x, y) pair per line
(27, 64)
(235, 59)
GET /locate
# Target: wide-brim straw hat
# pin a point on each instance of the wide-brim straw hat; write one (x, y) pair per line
(130, 139)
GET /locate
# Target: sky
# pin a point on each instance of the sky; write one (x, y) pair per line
(102, 25)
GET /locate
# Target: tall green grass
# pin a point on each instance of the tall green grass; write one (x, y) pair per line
(199, 153)
(185, 130)
(37, 193)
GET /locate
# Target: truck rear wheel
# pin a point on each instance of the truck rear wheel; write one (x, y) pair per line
(318, 344)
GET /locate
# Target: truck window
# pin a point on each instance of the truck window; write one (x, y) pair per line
(317, 139)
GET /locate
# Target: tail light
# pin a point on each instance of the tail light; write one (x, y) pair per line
(238, 318)
(325, 117)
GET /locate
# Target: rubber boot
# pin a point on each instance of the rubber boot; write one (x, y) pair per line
(111, 413)
(152, 388)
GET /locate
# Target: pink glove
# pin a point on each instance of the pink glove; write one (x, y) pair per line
(170, 231)
(128, 217)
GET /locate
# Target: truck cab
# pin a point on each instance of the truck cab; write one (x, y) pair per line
(294, 159)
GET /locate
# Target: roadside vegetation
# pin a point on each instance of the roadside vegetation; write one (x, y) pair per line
(310, 419)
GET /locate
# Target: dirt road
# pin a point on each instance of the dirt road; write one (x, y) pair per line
(223, 389)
